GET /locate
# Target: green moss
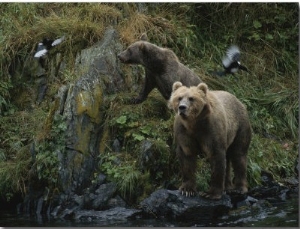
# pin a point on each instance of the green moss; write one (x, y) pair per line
(83, 132)
(105, 139)
(89, 102)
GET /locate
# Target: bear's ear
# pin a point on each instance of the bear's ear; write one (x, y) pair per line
(142, 46)
(202, 87)
(144, 37)
(176, 85)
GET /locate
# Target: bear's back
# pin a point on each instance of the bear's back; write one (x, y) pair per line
(228, 100)
(235, 112)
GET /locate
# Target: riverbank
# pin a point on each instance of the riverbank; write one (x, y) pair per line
(280, 214)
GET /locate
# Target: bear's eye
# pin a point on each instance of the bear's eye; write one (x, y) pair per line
(179, 98)
(191, 99)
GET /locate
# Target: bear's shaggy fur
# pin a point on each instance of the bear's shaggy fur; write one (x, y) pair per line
(162, 68)
(215, 123)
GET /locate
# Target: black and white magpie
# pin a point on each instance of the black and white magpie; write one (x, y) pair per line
(46, 45)
(231, 62)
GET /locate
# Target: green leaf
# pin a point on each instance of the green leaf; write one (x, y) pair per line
(138, 137)
(122, 119)
(256, 24)
(254, 36)
(269, 36)
(146, 130)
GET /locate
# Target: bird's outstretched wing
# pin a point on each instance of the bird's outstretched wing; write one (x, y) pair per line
(226, 61)
(232, 55)
(58, 41)
(41, 50)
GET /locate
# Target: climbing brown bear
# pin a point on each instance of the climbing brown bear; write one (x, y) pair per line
(216, 124)
(162, 68)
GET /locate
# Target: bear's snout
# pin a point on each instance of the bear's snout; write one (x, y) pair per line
(182, 109)
(121, 57)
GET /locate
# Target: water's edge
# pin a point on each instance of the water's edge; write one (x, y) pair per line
(281, 213)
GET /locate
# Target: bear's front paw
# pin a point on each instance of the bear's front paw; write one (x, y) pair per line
(187, 189)
(212, 196)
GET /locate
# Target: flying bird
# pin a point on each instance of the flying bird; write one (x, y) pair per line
(46, 45)
(231, 62)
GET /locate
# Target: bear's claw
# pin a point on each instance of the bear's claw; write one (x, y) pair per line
(186, 189)
(188, 194)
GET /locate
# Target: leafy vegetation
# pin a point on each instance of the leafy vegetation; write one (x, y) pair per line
(267, 34)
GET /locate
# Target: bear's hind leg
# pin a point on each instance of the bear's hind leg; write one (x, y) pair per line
(237, 153)
(239, 165)
(228, 178)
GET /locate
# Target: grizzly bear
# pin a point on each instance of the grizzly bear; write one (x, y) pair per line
(216, 124)
(162, 68)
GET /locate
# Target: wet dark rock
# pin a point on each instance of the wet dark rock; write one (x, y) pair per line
(171, 204)
(103, 194)
(151, 158)
(42, 88)
(79, 200)
(101, 178)
(269, 190)
(55, 211)
(266, 192)
(68, 213)
(113, 214)
(62, 96)
(147, 157)
(116, 202)
(248, 201)
(116, 146)
(238, 199)
(267, 178)
(33, 203)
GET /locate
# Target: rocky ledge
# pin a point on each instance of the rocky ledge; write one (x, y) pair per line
(171, 204)
(103, 204)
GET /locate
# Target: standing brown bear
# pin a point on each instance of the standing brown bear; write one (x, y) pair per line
(162, 68)
(215, 123)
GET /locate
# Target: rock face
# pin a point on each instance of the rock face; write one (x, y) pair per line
(81, 108)
(81, 105)
(171, 204)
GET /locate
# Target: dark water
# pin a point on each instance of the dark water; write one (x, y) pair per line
(279, 214)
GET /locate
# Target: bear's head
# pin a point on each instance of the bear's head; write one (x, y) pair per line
(189, 103)
(134, 53)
